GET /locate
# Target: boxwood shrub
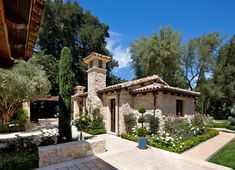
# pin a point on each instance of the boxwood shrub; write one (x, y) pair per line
(10, 129)
(129, 137)
(18, 160)
(95, 131)
(218, 125)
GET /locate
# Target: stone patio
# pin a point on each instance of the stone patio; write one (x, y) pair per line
(124, 154)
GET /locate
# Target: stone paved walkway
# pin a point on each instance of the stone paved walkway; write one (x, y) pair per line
(207, 149)
(123, 154)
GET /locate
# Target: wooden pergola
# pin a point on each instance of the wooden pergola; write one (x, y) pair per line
(19, 25)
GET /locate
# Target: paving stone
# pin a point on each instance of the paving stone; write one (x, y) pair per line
(74, 168)
(80, 165)
(95, 168)
(84, 168)
(90, 164)
(63, 168)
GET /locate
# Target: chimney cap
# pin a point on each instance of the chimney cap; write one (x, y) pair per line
(94, 55)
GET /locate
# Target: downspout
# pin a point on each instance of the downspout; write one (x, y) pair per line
(118, 103)
(155, 103)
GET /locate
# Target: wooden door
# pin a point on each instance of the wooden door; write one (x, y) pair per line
(113, 115)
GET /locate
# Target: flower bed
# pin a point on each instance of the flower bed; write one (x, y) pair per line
(178, 135)
(185, 145)
(168, 144)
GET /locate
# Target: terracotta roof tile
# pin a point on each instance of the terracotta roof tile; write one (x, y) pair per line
(97, 54)
(161, 87)
(134, 82)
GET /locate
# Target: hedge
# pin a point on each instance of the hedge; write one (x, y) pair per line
(95, 131)
(10, 129)
(18, 161)
(129, 137)
(218, 125)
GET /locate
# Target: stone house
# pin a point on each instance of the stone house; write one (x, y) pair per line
(114, 101)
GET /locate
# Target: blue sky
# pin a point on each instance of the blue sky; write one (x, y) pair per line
(130, 19)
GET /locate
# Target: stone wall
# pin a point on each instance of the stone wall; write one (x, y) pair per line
(68, 151)
(96, 81)
(167, 104)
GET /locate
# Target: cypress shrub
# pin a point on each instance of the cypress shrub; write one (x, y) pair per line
(66, 80)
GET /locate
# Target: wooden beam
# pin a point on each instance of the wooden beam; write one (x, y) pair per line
(5, 28)
(27, 37)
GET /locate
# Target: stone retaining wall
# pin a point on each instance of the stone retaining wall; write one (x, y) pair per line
(68, 151)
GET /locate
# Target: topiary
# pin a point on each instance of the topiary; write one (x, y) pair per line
(142, 110)
(141, 120)
(141, 132)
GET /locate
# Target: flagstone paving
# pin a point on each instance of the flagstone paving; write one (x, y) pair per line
(207, 149)
(123, 154)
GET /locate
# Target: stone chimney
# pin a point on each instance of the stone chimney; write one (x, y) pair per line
(96, 78)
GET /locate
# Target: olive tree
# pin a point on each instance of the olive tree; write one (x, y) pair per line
(23, 81)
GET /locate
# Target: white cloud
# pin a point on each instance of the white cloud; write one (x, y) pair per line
(120, 53)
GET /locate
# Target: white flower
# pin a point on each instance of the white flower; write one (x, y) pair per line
(167, 134)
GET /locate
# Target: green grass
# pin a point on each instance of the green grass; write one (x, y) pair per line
(226, 156)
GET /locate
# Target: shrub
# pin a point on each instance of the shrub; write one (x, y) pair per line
(153, 123)
(218, 125)
(231, 119)
(49, 137)
(19, 161)
(129, 137)
(98, 120)
(198, 120)
(83, 121)
(142, 110)
(91, 124)
(10, 128)
(20, 117)
(95, 131)
(141, 120)
(181, 128)
(130, 122)
(141, 132)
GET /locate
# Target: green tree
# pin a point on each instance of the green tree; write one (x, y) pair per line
(199, 57)
(50, 65)
(160, 54)
(66, 24)
(224, 80)
(66, 81)
(24, 81)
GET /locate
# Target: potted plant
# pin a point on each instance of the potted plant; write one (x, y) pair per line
(142, 141)
(141, 132)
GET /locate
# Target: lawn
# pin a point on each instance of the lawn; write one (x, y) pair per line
(225, 156)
